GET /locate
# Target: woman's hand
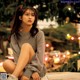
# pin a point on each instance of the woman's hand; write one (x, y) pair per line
(36, 76)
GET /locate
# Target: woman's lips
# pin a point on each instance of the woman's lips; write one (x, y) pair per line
(29, 21)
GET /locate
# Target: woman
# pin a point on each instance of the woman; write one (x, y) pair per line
(28, 44)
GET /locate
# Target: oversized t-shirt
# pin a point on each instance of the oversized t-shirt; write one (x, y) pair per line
(38, 44)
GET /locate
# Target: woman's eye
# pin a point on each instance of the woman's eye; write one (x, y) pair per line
(32, 14)
(26, 14)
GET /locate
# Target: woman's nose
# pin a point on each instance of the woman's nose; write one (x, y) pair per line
(30, 16)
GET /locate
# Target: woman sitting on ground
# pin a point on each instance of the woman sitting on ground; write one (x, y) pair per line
(28, 45)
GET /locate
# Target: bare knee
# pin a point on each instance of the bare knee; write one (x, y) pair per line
(8, 65)
(27, 46)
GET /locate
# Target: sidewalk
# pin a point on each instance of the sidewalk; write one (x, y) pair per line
(62, 76)
(56, 75)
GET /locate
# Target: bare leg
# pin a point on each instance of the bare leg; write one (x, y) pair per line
(26, 55)
(9, 66)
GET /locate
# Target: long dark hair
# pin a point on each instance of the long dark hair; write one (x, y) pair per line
(17, 22)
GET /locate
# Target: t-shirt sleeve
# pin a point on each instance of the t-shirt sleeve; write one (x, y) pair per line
(40, 46)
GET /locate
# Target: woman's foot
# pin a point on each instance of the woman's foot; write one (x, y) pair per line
(12, 77)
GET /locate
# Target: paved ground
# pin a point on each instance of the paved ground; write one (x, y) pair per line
(55, 75)
(62, 76)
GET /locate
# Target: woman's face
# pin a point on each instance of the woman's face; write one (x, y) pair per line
(28, 17)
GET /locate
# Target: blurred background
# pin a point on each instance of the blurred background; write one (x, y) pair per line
(60, 21)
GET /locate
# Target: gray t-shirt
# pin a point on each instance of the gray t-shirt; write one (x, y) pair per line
(38, 44)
